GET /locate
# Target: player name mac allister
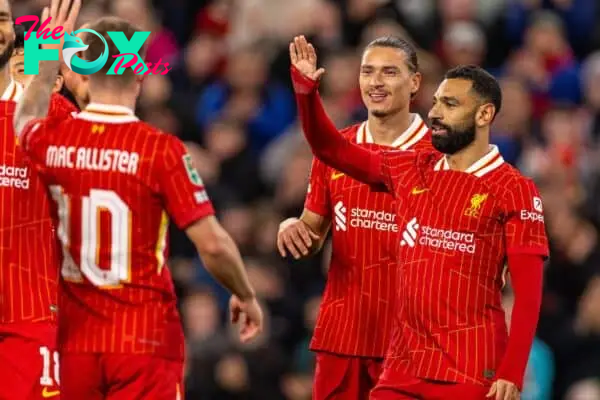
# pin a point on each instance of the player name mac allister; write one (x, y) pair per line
(92, 159)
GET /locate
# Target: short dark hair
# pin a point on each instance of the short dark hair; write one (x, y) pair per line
(484, 84)
(19, 36)
(395, 42)
(96, 46)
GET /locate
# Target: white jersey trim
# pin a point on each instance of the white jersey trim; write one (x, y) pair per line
(412, 135)
(489, 162)
(108, 113)
(13, 92)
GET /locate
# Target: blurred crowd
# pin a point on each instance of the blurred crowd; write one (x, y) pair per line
(229, 98)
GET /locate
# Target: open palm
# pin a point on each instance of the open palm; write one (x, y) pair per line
(304, 58)
(64, 13)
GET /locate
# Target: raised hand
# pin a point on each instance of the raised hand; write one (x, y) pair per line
(63, 13)
(304, 58)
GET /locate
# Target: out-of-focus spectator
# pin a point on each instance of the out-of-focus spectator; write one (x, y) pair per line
(229, 98)
(569, 322)
(590, 81)
(463, 43)
(273, 19)
(544, 54)
(246, 95)
(228, 142)
(514, 123)
(215, 18)
(161, 45)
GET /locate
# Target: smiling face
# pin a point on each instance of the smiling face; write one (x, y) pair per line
(455, 115)
(17, 67)
(7, 33)
(386, 81)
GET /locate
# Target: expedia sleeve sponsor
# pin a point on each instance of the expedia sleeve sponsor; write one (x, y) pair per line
(533, 216)
(15, 177)
(524, 228)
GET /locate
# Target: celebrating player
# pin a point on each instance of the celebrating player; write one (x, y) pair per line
(28, 255)
(462, 215)
(17, 59)
(63, 102)
(115, 179)
(17, 63)
(353, 327)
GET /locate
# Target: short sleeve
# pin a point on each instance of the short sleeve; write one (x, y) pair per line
(524, 228)
(180, 185)
(317, 196)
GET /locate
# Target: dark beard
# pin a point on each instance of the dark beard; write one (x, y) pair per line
(7, 54)
(454, 140)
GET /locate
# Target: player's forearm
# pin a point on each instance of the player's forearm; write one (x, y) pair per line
(325, 140)
(526, 272)
(224, 262)
(319, 225)
(36, 98)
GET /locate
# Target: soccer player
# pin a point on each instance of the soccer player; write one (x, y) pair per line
(354, 323)
(463, 214)
(60, 105)
(17, 62)
(17, 59)
(28, 255)
(115, 181)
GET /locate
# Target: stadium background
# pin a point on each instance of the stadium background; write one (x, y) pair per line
(228, 96)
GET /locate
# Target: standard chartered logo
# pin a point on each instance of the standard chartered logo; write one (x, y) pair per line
(340, 216)
(14, 177)
(409, 236)
(444, 239)
(363, 218)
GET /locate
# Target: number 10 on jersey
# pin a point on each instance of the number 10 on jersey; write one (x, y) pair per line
(89, 244)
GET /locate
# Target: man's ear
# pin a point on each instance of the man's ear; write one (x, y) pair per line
(60, 81)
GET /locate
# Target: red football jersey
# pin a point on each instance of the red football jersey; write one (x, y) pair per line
(28, 251)
(115, 181)
(457, 229)
(357, 311)
(60, 106)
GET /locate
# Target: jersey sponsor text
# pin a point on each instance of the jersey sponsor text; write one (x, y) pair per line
(16, 177)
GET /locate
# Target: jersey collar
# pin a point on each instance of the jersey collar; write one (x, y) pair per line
(109, 113)
(13, 92)
(492, 160)
(415, 132)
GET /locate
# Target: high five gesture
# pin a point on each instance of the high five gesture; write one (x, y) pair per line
(304, 57)
(63, 13)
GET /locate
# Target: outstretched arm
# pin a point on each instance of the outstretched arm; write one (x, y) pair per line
(36, 98)
(326, 142)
